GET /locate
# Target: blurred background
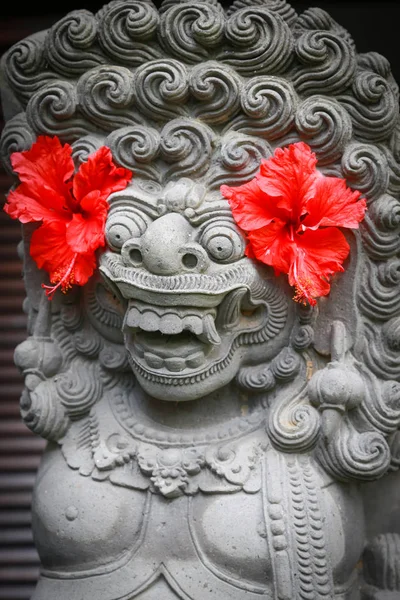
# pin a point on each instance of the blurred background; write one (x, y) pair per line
(373, 25)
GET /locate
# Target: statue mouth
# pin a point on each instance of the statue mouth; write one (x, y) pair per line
(184, 329)
(185, 339)
(170, 339)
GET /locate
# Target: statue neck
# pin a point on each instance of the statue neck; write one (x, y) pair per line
(226, 403)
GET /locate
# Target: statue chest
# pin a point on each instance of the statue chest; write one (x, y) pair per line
(215, 541)
(108, 541)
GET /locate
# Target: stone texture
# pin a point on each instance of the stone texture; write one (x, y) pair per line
(209, 437)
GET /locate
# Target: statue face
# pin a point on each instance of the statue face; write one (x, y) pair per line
(197, 309)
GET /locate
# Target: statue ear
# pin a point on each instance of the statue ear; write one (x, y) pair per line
(340, 304)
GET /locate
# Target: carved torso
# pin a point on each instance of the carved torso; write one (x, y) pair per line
(230, 541)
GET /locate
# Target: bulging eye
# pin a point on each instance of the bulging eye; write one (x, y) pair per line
(123, 225)
(223, 242)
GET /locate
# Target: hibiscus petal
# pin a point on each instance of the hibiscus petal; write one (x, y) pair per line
(272, 245)
(100, 173)
(251, 208)
(49, 247)
(290, 176)
(318, 255)
(84, 267)
(333, 203)
(85, 232)
(40, 204)
(45, 170)
(51, 252)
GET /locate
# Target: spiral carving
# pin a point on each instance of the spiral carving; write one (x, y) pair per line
(216, 88)
(84, 147)
(352, 455)
(25, 67)
(43, 413)
(372, 106)
(167, 4)
(365, 167)
(303, 338)
(162, 88)
(293, 425)
(286, 365)
(373, 61)
(385, 211)
(53, 111)
(70, 44)
(190, 31)
(256, 379)
(260, 41)
(127, 31)
(380, 351)
(379, 296)
(88, 342)
(136, 148)
(106, 96)
(188, 146)
(281, 7)
(79, 388)
(329, 62)
(326, 126)
(239, 160)
(391, 334)
(392, 155)
(114, 358)
(380, 245)
(269, 104)
(15, 137)
(316, 19)
(382, 410)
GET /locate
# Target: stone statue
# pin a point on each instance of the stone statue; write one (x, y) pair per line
(209, 437)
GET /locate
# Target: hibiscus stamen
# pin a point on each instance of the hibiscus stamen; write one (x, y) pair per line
(305, 292)
(64, 277)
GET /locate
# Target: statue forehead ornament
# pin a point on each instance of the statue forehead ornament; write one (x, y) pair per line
(190, 97)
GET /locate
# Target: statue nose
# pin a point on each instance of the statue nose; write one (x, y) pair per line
(166, 248)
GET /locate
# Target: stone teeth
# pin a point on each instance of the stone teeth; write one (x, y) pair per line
(175, 364)
(195, 360)
(171, 324)
(133, 318)
(149, 321)
(154, 361)
(193, 324)
(209, 335)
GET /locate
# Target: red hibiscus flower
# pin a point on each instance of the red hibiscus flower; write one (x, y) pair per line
(291, 214)
(71, 207)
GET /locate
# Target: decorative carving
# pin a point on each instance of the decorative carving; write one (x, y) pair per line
(184, 372)
(70, 44)
(127, 32)
(259, 41)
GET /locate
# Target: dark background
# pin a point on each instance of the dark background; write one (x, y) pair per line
(375, 26)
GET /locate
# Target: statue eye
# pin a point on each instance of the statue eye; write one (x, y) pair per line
(123, 225)
(223, 242)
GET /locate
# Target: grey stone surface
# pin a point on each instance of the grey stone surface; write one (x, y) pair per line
(209, 437)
